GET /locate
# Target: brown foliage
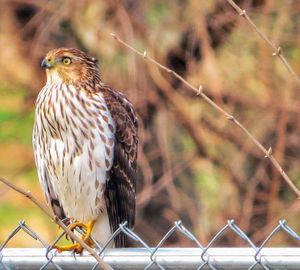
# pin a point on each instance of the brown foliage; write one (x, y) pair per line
(193, 164)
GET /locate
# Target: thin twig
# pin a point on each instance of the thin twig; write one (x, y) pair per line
(276, 49)
(48, 212)
(199, 92)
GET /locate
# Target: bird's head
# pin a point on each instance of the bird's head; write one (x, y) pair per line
(70, 66)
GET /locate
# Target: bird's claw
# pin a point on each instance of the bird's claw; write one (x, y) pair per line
(77, 248)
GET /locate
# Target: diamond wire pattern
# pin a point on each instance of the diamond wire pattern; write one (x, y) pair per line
(259, 260)
(25, 228)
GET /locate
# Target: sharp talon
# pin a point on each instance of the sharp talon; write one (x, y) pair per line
(78, 250)
(59, 250)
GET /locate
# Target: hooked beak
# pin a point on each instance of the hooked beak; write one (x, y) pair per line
(46, 64)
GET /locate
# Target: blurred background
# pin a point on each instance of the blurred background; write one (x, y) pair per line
(194, 165)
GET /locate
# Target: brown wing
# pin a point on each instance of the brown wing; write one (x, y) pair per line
(120, 189)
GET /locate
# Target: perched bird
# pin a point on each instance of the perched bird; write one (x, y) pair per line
(85, 145)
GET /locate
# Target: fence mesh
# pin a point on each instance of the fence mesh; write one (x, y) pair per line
(145, 257)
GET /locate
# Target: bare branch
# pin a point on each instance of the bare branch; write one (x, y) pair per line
(48, 212)
(199, 92)
(277, 49)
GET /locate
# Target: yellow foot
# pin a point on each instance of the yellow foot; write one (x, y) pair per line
(77, 248)
(86, 237)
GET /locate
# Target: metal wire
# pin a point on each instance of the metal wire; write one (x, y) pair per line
(145, 257)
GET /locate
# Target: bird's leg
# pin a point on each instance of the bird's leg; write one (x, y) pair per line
(86, 237)
(89, 228)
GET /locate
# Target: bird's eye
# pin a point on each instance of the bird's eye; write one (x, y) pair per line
(66, 61)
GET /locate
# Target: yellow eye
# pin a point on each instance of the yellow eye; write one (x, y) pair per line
(67, 61)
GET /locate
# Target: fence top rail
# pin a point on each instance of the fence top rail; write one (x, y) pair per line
(165, 258)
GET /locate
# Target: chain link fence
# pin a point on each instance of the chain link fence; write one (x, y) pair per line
(145, 257)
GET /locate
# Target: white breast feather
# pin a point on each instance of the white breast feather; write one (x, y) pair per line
(74, 179)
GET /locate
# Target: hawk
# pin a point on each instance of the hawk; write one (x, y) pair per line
(85, 145)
